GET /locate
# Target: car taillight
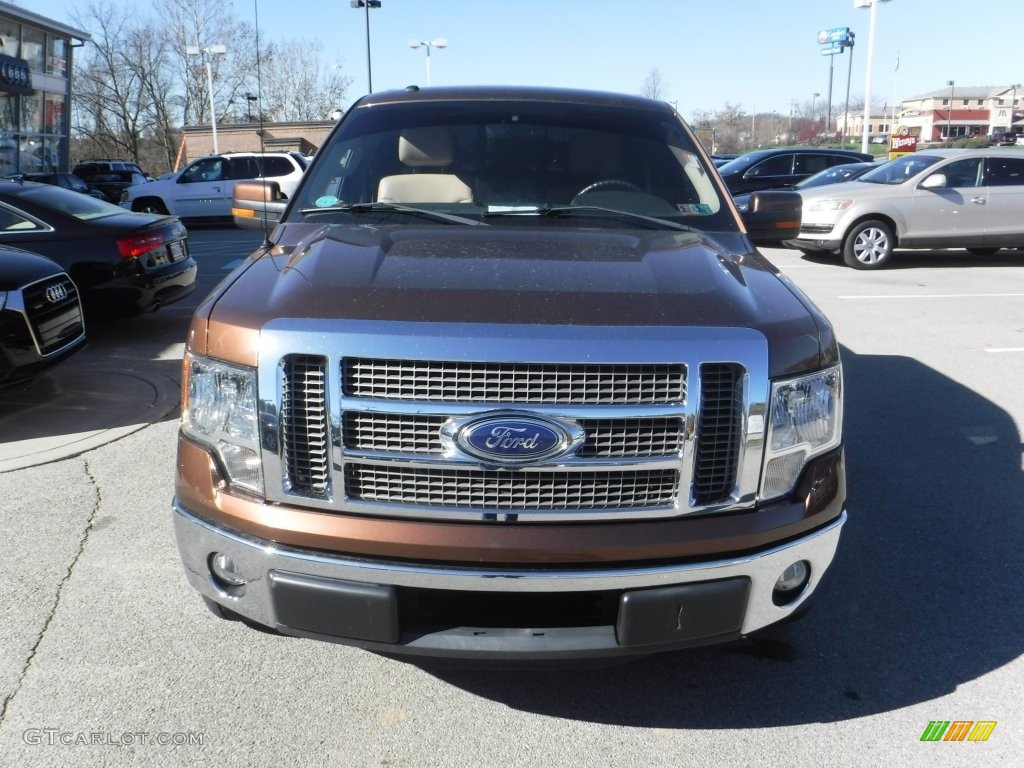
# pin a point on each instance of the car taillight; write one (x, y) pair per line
(135, 246)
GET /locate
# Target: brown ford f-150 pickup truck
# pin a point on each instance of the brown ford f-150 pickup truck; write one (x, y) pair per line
(509, 380)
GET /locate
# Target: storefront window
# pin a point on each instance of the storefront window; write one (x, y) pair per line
(54, 152)
(53, 113)
(10, 36)
(32, 113)
(33, 45)
(31, 154)
(8, 112)
(57, 57)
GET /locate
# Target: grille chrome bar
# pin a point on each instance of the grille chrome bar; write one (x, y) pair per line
(367, 431)
(518, 383)
(504, 491)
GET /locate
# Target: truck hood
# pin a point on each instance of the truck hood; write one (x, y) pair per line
(523, 275)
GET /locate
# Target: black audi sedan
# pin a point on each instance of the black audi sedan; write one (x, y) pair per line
(123, 263)
(782, 167)
(40, 315)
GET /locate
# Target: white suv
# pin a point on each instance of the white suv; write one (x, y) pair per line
(204, 187)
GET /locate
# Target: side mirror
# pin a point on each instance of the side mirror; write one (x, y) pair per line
(935, 181)
(257, 204)
(773, 216)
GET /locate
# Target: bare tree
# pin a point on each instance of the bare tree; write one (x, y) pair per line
(653, 85)
(113, 108)
(203, 24)
(296, 86)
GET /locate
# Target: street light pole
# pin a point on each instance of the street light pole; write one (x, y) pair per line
(1013, 108)
(207, 54)
(367, 5)
(438, 42)
(873, 4)
(814, 114)
(949, 115)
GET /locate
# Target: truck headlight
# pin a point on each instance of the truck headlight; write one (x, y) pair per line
(805, 419)
(220, 412)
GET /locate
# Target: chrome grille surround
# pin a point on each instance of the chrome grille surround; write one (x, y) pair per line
(382, 453)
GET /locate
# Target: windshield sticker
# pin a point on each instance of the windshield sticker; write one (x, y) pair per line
(694, 209)
(326, 201)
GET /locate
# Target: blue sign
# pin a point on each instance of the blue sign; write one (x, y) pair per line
(834, 35)
(831, 50)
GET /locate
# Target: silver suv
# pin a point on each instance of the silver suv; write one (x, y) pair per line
(943, 198)
(204, 187)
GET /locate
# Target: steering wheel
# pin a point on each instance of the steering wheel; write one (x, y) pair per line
(609, 184)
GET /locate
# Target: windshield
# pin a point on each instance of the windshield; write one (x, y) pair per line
(490, 158)
(899, 170)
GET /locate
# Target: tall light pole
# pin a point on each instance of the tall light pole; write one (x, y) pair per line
(1013, 108)
(437, 42)
(208, 53)
(367, 5)
(873, 5)
(814, 114)
(949, 114)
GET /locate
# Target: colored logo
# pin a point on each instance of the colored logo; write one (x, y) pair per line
(512, 438)
(958, 730)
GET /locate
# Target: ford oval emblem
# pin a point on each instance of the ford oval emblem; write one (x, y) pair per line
(509, 439)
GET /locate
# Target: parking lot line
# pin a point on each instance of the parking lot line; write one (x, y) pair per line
(933, 296)
(998, 350)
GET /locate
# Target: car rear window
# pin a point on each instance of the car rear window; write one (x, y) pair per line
(66, 201)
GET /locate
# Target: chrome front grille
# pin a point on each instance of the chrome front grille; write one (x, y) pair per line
(369, 433)
(54, 313)
(514, 383)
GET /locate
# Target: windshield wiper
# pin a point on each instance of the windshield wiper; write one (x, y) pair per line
(556, 211)
(449, 218)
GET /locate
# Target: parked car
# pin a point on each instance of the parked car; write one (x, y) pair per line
(775, 168)
(943, 198)
(1002, 138)
(112, 183)
(833, 175)
(41, 320)
(65, 180)
(122, 262)
(510, 380)
(88, 168)
(204, 187)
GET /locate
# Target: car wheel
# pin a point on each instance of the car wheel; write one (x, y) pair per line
(868, 245)
(982, 251)
(150, 205)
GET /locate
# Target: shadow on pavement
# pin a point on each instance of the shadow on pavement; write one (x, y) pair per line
(924, 594)
(943, 258)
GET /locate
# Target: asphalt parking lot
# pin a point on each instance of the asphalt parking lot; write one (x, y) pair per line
(107, 657)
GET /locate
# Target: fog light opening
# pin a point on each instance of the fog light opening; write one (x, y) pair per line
(226, 575)
(790, 585)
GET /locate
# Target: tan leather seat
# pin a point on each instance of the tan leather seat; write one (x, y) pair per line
(429, 148)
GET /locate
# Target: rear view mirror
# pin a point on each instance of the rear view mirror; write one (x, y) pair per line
(773, 216)
(257, 204)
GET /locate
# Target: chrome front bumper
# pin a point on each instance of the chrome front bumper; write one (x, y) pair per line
(266, 565)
